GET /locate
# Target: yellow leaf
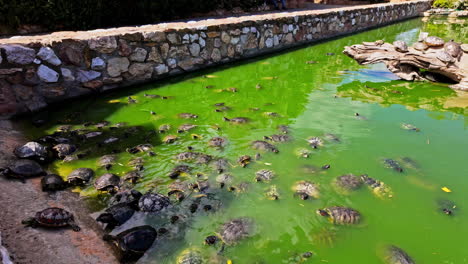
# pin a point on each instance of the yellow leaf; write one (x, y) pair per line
(113, 101)
(445, 189)
(229, 261)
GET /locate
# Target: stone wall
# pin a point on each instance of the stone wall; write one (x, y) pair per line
(39, 70)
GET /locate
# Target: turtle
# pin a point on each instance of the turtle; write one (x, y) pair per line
(241, 187)
(52, 182)
(315, 142)
(179, 170)
(446, 206)
(331, 137)
(32, 150)
(152, 96)
(443, 56)
(379, 188)
(222, 109)
(235, 230)
(140, 148)
(130, 100)
(197, 157)
(190, 256)
(348, 182)
(325, 236)
(396, 255)
(264, 175)
(187, 116)
(224, 179)
(265, 146)
(306, 189)
(63, 150)
(107, 161)
(129, 197)
(379, 42)
(244, 160)
(116, 215)
(200, 186)
(102, 124)
(360, 117)
(393, 164)
(217, 142)
(108, 182)
(453, 49)
(237, 120)
(400, 46)
(278, 138)
(178, 189)
(134, 242)
(433, 41)
(164, 128)
(185, 128)
(330, 54)
(169, 139)
(409, 127)
(341, 215)
(272, 193)
(283, 129)
(80, 176)
(52, 217)
(309, 169)
(137, 163)
(23, 168)
(220, 165)
(132, 176)
(271, 114)
(303, 153)
(153, 202)
(421, 46)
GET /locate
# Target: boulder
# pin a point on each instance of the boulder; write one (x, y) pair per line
(47, 75)
(18, 54)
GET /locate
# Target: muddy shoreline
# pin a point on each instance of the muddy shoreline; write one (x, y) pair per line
(41, 246)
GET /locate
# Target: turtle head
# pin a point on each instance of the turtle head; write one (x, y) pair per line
(30, 221)
(211, 240)
(105, 218)
(108, 237)
(323, 212)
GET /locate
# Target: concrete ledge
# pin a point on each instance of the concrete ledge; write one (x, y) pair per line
(38, 70)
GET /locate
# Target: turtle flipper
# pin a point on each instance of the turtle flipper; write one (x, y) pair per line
(74, 226)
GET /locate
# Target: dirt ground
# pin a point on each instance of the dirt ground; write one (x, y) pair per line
(43, 246)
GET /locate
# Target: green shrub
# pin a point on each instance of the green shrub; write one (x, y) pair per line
(443, 4)
(461, 5)
(89, 14)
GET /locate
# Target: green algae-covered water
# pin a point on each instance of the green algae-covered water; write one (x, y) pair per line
(312, 100)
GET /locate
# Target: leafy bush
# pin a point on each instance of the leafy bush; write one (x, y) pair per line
(461, 5)
(88, 14)
(443, 4)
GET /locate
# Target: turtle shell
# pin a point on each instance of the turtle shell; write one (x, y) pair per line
(236, 230)
(185, 127)
(433, 41)
(279, 138)
(32, 150)
(64, 149)
(421, 46)
(453, 49)
(348, 182)
(153, 202)
(306, 189)
(132, 176)
(26, 168)
(464, 47)
(264, 175)
(52, 182)
(444, 56)
(107, 160)
(400, 46)
(265, 146)
(343, 215)
(54, 217)
(117, 214)
(130, 197)
(107, 181)
(136, 240)
(80, 176)
(190, 256)
(238, 120)
(217, 142)
(396, 255)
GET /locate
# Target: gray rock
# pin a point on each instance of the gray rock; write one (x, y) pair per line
(225, 37)
(186, 39)
(186, 64)
(86, 76)
(217, 43)
(17, 54)
(275, 40)
(98, 64)
(154, 56)
(202, 42)
(47, 75)
(116, 66)
(269, 42)
(37, 61)
(67, 75)
(161, 69)
(216, 55)
(103, 44)
(173, 38)
(243, 39)
(194, 37)
(154, 36)
(139, 55)
(245, 30)
(172, 63)
(164, 50)
(194, 49)
(141, 71)
(48, 54)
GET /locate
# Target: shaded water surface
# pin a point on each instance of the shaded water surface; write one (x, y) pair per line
(313, 100)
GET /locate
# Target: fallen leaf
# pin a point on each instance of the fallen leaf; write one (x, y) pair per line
(113, 101)
(445, 189)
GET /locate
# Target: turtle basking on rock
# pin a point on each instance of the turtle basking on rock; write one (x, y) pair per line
(400, 46)
(134, 242)
(306, 189)
(32, 150)
(153, 202)
(80, 176)
(22, 169)
(264, 175)
(444, 57)
(453, 49)
(264, 146)
(421, 46)
(52, 183)
(116, 215)
(52, 217)
(396, 255)
(341, 215)
(107, 161)
(108, 182)
(237, 120)
(347, 183)
(433, 41)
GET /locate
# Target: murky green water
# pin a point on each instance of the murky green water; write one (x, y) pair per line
(312, 99)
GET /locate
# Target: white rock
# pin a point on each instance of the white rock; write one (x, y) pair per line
(67, 75)
(48, 54)
(117, 66)
(86, 76)
(290, 28)
(172, 63)
(202, 42)
(193, 37)
(203, 35)
(269, 42)
(194, 49)
(37, 61)
(276, 40)
(245, 30)
(235, 40)
(253, 29)
(47, 75)
(18, 54)
(98, 64)
(186, 39)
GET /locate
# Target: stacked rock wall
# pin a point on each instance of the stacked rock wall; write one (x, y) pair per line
(39, 70)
